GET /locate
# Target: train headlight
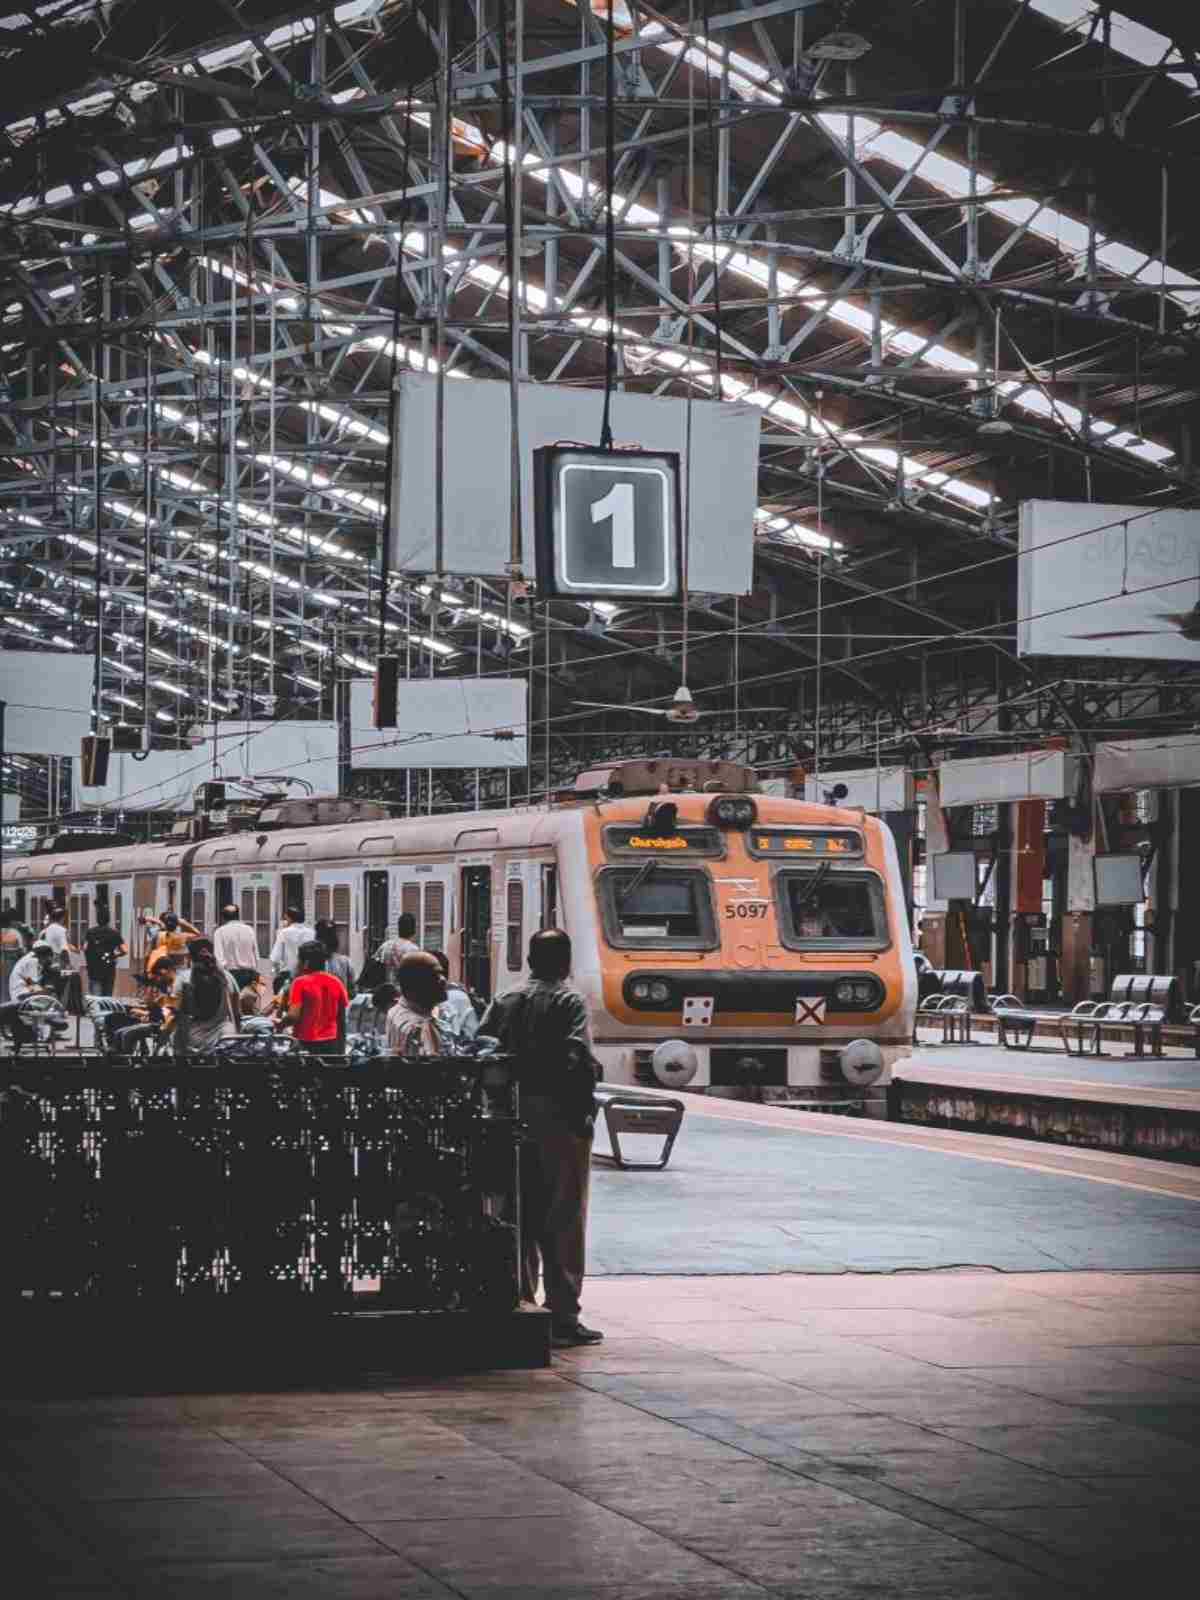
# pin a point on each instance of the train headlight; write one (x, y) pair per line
(732, 811)
(674, 1063)
(640, 990)
(661, 992)
(859, 994)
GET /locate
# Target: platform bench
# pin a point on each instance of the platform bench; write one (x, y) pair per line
(1015, 1025)
(1091, 1021)
(952, 1011)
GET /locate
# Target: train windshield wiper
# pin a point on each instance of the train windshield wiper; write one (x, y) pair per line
(818, 878)
(638, 879)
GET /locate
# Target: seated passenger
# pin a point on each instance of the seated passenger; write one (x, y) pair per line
(368, 1013)
(412, 1027)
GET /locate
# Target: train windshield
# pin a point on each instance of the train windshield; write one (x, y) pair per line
(828, 907)
(655, 907)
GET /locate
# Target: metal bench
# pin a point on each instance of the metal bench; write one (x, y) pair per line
(626, 1111)
(1091, 1021)
(952, 1011)
(1015, 1024)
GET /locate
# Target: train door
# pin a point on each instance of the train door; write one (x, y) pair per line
(117, 896)
(145, 898)
(375, 910)
(204, 914)
(292, 893)
(79, 912)
(477, 929)
(253, 898)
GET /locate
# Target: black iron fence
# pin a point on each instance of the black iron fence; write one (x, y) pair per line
(391, 1184)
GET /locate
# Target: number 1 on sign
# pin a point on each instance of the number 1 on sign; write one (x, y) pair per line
(618, 504)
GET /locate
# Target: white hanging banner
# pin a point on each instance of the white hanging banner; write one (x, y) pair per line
(47, 702)
(1033, 775)
(1123, 765)
(442, 722)
(1108, 580)
(167, 779)
(875, 789)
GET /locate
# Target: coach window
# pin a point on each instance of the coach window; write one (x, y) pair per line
(293, 891)
(256, 910)
(410, 904)
(653, 907)
(331, 903)
(118, 914)
(199, 907)
(433, 935)
(828, 906)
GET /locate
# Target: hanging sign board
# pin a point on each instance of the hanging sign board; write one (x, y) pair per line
(607, 523)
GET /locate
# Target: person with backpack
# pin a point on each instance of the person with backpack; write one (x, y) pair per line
(103, 946)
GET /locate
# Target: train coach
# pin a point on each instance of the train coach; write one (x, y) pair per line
(723, 938)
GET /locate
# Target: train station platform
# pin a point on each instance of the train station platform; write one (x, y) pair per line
(1137, 1104)
(842, 1360)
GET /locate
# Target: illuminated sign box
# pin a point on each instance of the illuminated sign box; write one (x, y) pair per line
(635, 841)
(607, 523)
(796, 843)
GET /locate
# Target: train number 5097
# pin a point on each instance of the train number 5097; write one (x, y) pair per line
(746, 908)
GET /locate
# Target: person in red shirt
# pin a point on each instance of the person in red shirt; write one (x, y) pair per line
(316, 1004)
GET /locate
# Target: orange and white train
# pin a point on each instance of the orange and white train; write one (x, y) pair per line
(723, 938)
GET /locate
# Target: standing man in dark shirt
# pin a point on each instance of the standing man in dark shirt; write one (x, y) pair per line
(102, 946)
(544, 1025)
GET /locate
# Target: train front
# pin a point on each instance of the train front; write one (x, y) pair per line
(748, 942)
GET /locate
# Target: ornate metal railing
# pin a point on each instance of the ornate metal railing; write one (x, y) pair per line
(388, 1184)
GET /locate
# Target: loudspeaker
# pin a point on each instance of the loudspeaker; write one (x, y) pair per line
(211, 796)
(126, 738)
(387, 679)
(93, 757)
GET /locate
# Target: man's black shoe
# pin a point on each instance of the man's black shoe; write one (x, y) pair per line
(564, 1335)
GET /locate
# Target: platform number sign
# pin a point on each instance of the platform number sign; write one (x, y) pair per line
(607, 523)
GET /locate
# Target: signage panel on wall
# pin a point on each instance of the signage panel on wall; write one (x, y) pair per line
(607, 523)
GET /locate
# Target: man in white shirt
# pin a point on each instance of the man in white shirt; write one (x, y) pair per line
(236, 947)
(285, 952)
(35, 974)
(55, 935)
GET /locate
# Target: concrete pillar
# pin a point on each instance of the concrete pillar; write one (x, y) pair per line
(1187, 911)
(937, 841)
(1076, 963)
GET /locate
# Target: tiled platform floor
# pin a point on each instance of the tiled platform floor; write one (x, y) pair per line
(937, 1434)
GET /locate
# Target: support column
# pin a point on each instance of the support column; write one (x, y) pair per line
(1187, 913)
(1076, 964)
(937, 841)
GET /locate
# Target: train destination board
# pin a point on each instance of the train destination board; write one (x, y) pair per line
(793, 842)
(702, 841)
